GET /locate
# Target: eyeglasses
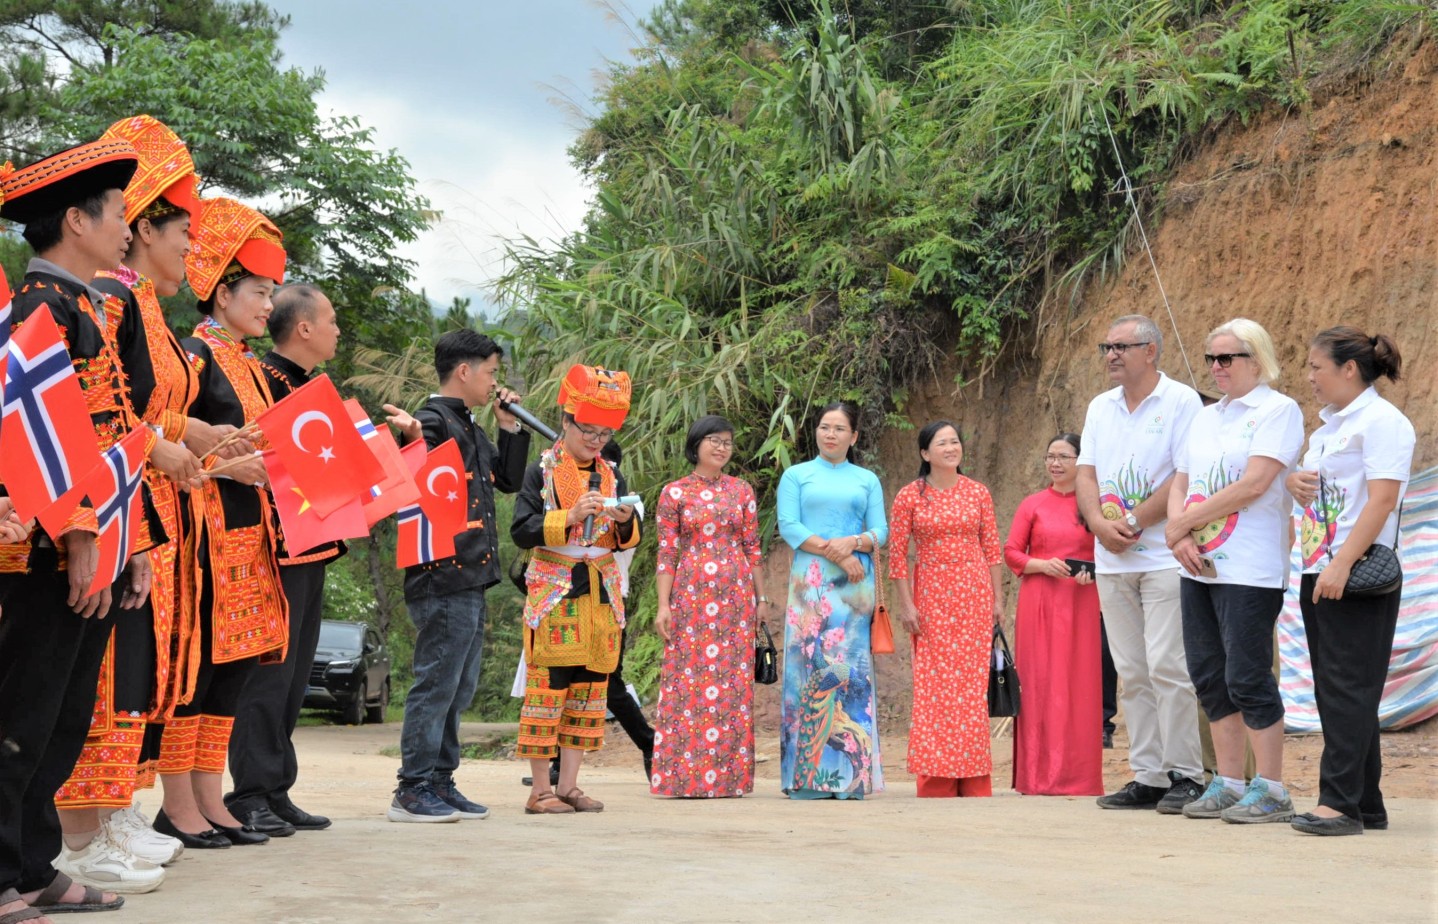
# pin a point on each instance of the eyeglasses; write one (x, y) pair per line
(1120, 348)
(717, 443)
(837, 431)
(594, 436)
(1224, 360)
(1061, 460)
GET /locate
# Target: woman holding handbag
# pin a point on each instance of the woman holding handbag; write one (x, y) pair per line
(1057, 737)
(707, 571)
(950, 605)
(831, 513)
(1350, 484)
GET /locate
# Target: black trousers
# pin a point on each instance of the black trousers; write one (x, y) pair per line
(626, 710)
(49, 667)
(262, 756)
(1350, 642)
(218, 687)
(1110, 683)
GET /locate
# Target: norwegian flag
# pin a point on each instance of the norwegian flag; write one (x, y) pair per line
(114, 490)
(418, 543)
(47, 442)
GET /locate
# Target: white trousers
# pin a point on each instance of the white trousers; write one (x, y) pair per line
(1144, 621)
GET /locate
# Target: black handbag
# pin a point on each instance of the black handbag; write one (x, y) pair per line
(519, 569)
(1004, 688)
(766, 659)
(1378, 571)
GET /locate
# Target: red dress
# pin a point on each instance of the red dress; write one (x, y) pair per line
(1058, 735)
(704, 725)
(958, 542)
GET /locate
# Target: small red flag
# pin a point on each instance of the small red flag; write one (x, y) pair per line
(443, 494)
(113, 487)
(398, 489)
(327, 460)
(47, 441)
(304, 528)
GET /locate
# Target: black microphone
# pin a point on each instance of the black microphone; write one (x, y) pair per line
(589, 520)
(529, 420)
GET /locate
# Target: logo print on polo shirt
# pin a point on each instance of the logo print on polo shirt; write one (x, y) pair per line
(1212, 535)
(1155, 426)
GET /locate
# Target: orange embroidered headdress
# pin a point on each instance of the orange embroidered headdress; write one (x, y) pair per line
(595, 396)
(165, 181)
(229, 240)
(61, 180)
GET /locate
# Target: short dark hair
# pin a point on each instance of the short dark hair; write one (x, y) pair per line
(611, 452)
(46, 232)
(1071, 438)
(293, 303)
(462, 346)
(705, 426)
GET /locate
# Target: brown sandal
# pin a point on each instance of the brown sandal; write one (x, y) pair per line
(581, 802)
(49, 902)
(24, 913)
(547, 803)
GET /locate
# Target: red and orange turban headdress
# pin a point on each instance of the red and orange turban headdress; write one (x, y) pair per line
(595, 396)
(61, 180)
(229, 240)
(165, 180)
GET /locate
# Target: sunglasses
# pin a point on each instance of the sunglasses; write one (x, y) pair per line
(1224, 360)
(1120, 348)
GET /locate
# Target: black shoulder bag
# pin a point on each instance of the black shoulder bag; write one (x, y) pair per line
(1378, 571)
(1003, 679)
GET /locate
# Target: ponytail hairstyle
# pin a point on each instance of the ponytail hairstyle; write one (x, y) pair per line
(1375, 356)
(850, 412)
(926, 438)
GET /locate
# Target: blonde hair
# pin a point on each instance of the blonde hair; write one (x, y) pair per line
(1255, 340)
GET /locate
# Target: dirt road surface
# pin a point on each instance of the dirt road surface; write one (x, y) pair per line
(762, 858)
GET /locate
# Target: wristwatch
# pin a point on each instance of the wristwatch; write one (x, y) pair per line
(1132, 521)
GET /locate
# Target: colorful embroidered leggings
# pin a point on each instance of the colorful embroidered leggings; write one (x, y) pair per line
(569, 717)
(196, 742)
(104, 776)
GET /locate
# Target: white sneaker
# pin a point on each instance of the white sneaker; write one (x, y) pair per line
(131, 832)
(108, 867)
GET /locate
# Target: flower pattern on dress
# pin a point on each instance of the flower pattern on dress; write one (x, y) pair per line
(957, 540)
(704, 725)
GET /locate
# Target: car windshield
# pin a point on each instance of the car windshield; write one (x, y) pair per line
(338, 636)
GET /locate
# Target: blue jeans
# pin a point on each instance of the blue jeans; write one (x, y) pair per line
(449, 640)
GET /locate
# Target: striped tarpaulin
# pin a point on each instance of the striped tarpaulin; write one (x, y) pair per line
(1411, 694)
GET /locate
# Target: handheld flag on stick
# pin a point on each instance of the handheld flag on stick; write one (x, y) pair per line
(113, 487)
(47, 442)
(328, 460)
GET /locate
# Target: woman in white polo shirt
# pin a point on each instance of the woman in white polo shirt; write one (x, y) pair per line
(1228, 528)
(1350, 484)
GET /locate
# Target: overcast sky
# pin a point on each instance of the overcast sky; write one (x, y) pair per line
(465, 90)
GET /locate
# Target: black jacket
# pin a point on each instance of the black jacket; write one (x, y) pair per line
(476, 560)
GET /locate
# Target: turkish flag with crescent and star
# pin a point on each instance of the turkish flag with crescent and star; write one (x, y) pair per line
(427, 529)
(312, 436)
(47, 441)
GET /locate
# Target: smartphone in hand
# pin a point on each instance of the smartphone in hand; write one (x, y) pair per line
(1078, 565)
(1207, 569)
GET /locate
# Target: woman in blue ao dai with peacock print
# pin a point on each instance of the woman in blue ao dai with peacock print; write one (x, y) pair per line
(830, 508)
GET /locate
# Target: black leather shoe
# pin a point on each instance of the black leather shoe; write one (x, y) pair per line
(264, 821)
(1374, 821)
(1310, 823)
(205, 840)
(243, 836)
(297, 817)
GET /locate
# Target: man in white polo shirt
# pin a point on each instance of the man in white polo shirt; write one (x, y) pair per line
(1130, 437)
